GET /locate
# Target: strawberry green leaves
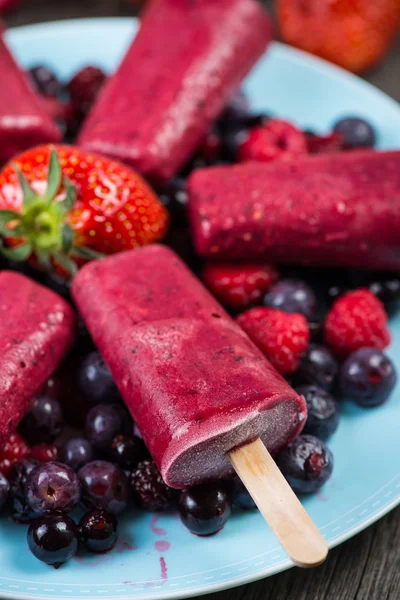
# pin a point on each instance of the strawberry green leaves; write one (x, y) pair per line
(41, 228)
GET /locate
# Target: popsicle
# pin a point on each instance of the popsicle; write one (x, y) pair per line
(37, 328)
(330, 210)
(195, 384)
(23, 120)
(178, 74)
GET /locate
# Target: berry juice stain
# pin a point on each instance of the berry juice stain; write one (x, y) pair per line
(153, 525)
(162, 545)
(164, 572)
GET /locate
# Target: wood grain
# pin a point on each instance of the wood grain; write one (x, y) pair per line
(367, 566)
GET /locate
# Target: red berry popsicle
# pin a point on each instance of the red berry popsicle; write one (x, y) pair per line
(37, 328)
(178, 74)
(195, 384)
(336, 210)
(23, 120)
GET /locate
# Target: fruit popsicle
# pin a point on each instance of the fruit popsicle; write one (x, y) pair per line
(37, 328)
(23, 120)
(330, 210)
(178, 74)
(195, 384)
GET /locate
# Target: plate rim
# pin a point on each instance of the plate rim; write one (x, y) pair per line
(304, 59)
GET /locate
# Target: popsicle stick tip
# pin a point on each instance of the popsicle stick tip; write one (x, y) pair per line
(279, 505)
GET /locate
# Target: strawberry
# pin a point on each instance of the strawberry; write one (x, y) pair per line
(276, 140)
(352, 33)
(61, 206)
(239, 286)
(12, 451)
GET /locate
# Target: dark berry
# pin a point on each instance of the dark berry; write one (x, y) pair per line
(210, 149)
(292, 296)
(317, 366)
(149, 489)
(44, 453)
(316, 331)
(96, 381)
(99, 531)
(128, 451)
(44, 422)
(240, 495)
(52, 487)
(307, 464)
(58, 284)
(21, 511)
(12, 451)
(367, 377)
(174, 197)
(104, 422)
(356, 132)
(45, 81)
(322, 411)
(386, 287)
(205, 509)
(53, 539)
(4, 491)
(237, 108)
(85, 86)
(104, 485)
(76, 453)
(232, 138)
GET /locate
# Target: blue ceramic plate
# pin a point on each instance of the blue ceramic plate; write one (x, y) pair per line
(156, 556)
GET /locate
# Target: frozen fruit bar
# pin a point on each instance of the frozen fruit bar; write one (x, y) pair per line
(334, 210)
(37, 328)
(178, 74)
(195, 384)
(23, 120)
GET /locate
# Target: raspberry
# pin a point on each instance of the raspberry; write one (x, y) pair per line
(356, 319)
(282, 337)
(321, 144)
(14, 450)
(274, 140)
(44, 452)
(239, 286)
(150, 491)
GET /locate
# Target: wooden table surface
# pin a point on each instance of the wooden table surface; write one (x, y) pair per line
(367, 566)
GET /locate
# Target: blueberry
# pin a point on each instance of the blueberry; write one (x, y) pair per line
(322, 411)
(357, 133)
(76, 453)
(4, 491)
(240, 495)
(367, 377)
(44, 422)
(53, 539)
(99, 531)
(386, 287)
(104, 485)
(292, 296)
(237, 108)
(307, 464)
(316, 331)
(96, 382)
(317, 366)
(104, 422)
(20, 509)
(52, 486)
(174, 197)
(205, 509)
(45, 81)
(128, 451)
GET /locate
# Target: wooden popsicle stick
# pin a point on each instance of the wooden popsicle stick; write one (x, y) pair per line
(279, 505)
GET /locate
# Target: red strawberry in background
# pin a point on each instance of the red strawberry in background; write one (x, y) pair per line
(61, 206)
(355, 34)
